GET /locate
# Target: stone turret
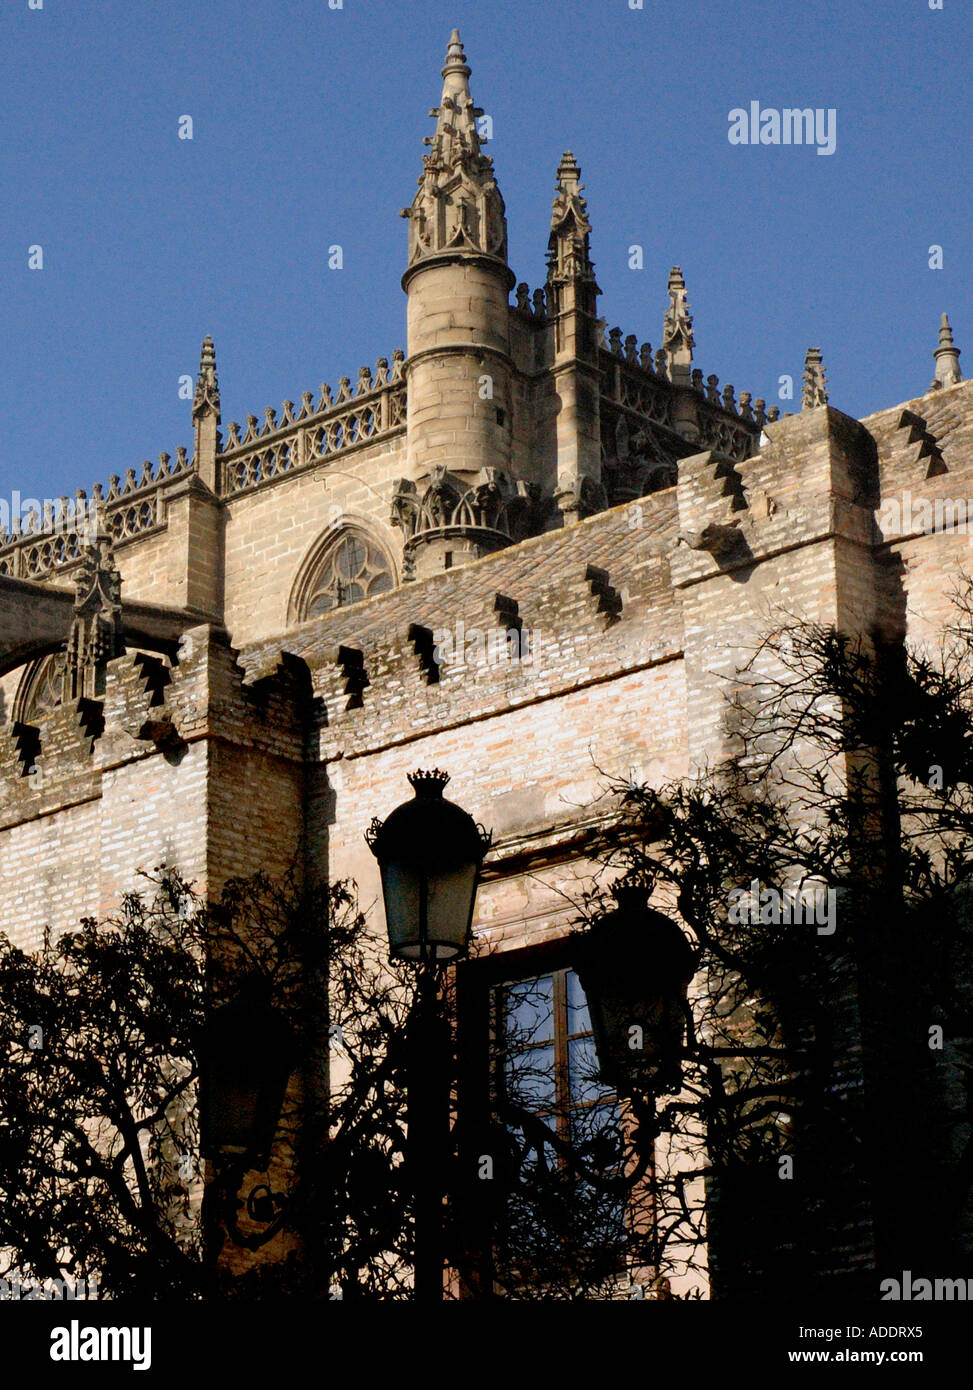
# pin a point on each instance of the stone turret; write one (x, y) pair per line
(453, 503)
(572, 297)
(947, 359)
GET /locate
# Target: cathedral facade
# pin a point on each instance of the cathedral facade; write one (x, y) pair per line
(528, 549)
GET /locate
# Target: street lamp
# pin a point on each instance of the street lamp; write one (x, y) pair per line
(635, 966)
(429, 853)
(248, 1054)
(248, 1058)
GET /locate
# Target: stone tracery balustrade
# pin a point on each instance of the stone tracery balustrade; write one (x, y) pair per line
(640, 381)
(374, 407)
(131, 507)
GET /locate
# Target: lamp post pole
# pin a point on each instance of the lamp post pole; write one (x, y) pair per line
(428, 1116)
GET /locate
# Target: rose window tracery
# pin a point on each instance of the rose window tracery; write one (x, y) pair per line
(353, 569)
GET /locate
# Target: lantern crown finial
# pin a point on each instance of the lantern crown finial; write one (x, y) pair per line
(631, 893)
(428, 783)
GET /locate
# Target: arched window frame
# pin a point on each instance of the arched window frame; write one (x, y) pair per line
(312, 578)
(42, 671)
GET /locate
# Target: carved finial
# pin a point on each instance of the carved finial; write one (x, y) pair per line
(95, 637)
(947, 359)
(206, 399)
(569, 245)
(455, 57)
(815, 380)
(677, 335)
(458, 205)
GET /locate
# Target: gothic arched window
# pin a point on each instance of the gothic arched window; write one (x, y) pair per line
(40, 688)
(354, 567)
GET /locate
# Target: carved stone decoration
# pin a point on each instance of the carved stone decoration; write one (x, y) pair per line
(353, 568)
(96, 628)
(568, 255)
(627, 479)
(577, 498)
(724, 541)
(677, 337)
(635, 464)
(206, 399)
(815, 380)
(489, 513)
(947, 358)
(458, 205)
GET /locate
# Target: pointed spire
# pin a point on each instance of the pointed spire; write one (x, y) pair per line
(677, 333)
(458, 205)
(569, 254)
(207, 396)
(947, 359)
(206, 417)
(815, 380)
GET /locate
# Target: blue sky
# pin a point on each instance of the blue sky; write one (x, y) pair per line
(307, 131)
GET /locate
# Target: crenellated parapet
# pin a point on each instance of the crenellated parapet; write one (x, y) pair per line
(564, 610)
(532, 305)
(148, 706)
(664, 399)
(639, 383)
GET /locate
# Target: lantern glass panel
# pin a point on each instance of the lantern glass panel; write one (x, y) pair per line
(428, 915)
(232, 1109)
(450, 909)
(402, 890)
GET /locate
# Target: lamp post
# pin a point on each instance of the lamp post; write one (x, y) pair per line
(635, 966)
(429, 853)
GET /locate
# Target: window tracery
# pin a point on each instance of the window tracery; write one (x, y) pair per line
(352, 569)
